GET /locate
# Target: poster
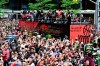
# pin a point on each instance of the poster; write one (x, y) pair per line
(82, 32)
(47, 28)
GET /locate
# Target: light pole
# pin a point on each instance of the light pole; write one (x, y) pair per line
(96, 14)
(81, 4)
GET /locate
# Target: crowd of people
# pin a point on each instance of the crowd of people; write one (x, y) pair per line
(37, 50)
(51, 16)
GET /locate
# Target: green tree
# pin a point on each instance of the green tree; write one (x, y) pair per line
(3, 2)
(42, 4)
(68, 3)
(50, 4)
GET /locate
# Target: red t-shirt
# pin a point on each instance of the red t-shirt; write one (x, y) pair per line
(23, 15)
(13, 64)
(59, 13)
(69, 53)
(6, 54)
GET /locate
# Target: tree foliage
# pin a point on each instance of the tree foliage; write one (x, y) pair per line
(68, 3)
(42, 4)
(49, 4)
(2, 2)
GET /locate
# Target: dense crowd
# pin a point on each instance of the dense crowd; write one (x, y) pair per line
(37, 50)
(51, 16)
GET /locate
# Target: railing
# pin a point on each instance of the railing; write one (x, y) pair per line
(54, 21)
(80, 23)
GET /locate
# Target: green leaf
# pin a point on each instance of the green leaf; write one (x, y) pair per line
(41, 4)
(3, 2)
(68, 3)
(76, 11)
(50, 6)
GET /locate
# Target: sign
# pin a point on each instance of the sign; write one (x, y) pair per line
(11, 37)
(28, 25)
(82, 32)
(44, 27)
(47, 28)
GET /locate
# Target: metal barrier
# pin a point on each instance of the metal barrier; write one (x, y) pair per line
(55, 21)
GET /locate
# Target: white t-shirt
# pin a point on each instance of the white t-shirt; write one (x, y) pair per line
(32, 64)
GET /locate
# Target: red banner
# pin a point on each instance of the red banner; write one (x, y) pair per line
(54, 29)
(44, 27)
(82, 32)
(28, 25)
